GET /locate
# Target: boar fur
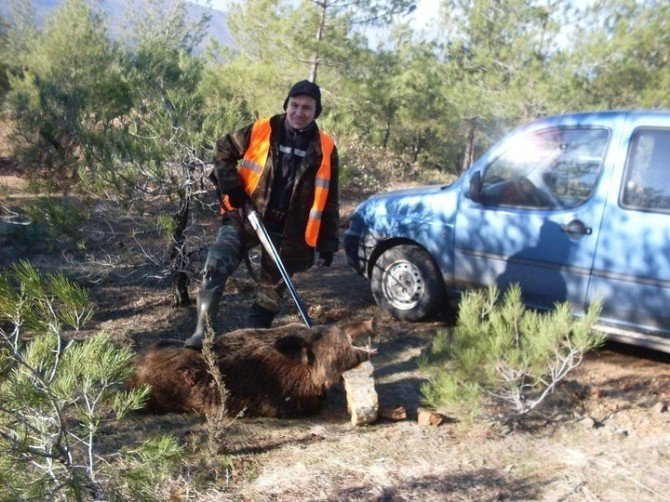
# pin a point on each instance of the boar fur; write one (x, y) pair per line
(278, 372)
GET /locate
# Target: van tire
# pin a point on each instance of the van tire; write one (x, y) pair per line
(406, 282)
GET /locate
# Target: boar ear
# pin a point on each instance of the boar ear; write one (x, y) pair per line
(356, 329)
(190, 376)
(292, 346)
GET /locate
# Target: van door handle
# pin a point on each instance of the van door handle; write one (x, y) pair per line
(576, 228)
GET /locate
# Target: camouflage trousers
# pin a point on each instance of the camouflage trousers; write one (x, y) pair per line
(227, 252)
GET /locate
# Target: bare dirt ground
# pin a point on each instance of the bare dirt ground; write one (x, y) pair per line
(608, 437)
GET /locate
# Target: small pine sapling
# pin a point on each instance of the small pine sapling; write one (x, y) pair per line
(505, 354)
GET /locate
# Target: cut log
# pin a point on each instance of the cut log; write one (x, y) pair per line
(428, 417)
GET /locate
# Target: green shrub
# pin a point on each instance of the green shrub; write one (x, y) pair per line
(53, 223)
(502, 353)
(58, 396)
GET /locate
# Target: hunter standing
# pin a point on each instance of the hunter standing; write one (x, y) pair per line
(286, 169)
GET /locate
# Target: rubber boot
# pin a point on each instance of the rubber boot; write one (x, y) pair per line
(259, 317)
(208, 304)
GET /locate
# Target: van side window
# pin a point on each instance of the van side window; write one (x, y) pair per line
(646, 184)
(555, 168)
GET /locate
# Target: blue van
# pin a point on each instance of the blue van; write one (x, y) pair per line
(573, 208)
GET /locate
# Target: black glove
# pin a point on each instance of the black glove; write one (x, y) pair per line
(327, 258)
(238, 197)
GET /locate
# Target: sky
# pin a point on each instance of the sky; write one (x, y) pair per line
(423, 14)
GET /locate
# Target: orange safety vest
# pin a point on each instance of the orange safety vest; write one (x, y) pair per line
(253, 163)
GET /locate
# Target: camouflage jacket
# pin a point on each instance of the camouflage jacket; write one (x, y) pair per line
(231, 148)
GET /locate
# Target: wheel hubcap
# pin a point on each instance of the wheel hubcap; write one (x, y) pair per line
(403, 285)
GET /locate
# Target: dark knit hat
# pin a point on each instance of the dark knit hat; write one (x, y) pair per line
(306, 88)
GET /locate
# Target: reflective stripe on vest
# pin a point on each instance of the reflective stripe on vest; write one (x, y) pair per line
(253, 163)
(321, 187)
(256, 156)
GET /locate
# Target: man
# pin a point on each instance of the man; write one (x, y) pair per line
(286, 169)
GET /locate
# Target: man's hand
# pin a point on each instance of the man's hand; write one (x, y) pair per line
(325, 259)
(238, 198)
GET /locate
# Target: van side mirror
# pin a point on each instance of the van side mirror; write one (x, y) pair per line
(475, 191)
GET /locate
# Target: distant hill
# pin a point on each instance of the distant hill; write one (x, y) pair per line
(218, 25)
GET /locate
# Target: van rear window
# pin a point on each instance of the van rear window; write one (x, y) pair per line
(646, 184)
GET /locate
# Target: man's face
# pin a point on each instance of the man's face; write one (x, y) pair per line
(300, 111)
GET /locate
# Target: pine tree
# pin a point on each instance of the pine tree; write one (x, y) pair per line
(58, 395)
(65, 91)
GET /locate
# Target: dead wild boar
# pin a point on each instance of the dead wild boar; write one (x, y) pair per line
(278, 372)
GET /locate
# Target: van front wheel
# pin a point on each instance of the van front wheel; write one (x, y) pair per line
(406, 282)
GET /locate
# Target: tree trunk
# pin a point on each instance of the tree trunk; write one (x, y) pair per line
(416, 147)
(180, 297)
(319, 37)
(469, 156)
